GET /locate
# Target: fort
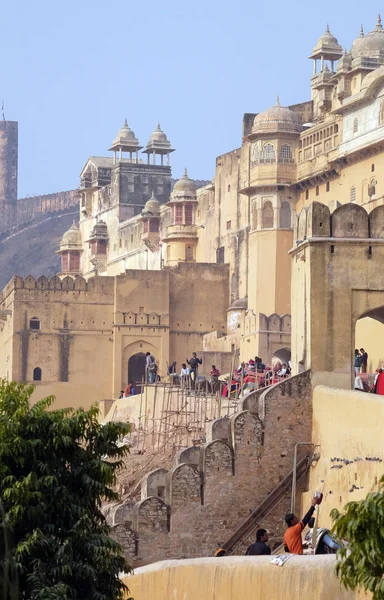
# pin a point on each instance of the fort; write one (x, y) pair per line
(279, 257)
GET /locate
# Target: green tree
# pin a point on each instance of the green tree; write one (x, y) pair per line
(53, 478)
(361, 563)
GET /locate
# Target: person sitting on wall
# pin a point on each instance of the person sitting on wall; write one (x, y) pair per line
(172, 368)
(121, 394)
(259, 547)
(364, 360)
(184, 375)
(214, 374)
(133, 389)
(292, 537)
(194, 366)
(128, 390)
(150, 367)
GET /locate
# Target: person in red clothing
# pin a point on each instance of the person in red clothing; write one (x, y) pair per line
(292, 536)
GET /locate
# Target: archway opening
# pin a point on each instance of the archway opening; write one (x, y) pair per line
(136, 369)
(283, 355)
(369, 336)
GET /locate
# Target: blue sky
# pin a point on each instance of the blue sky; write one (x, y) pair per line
(72, 71)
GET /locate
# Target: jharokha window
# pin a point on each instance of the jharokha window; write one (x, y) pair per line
(178, 215)
(268, 154)
(188, 214)
(154, 225)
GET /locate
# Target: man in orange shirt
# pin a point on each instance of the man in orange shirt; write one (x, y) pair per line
(292, 537)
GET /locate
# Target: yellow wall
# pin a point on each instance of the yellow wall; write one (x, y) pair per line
(358, 174)
(346, 425)
(231, 578)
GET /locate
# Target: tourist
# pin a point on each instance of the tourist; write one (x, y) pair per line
(214, 374)
(194, 366)
(364, 360)
(357, 362)
(172, 368)
(150, 367)
(128, 390)
(378, 387)
(121, 394)
(259, 547)
(220, 552)
(283, 371)
(184, 375)
(133, 389)
(292, 537)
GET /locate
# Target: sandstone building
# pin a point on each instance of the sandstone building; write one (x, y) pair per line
(280, 255)
(133, 224)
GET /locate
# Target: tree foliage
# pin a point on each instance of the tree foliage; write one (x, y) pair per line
(361, 563)
(53, 478)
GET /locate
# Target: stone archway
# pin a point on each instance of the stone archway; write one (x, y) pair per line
(283, 354)
(136, 369)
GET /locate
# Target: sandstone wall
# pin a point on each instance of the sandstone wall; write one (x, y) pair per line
(210, 494)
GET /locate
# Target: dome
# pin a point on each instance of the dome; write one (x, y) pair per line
(277, 118)
(371, 45)
(100, 231)
(345, 62)
(158, 142)
(158, 135)
(125, 137)
(184, 184)
(152, 205)
(327, 43)
(241, 303)
(72, 237)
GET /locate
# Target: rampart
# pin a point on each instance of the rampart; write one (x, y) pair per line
(189, 510)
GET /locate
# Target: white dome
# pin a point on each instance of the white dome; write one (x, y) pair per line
(277, 118)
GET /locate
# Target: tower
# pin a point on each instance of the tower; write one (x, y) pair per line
(181, 237)
(8, 173)
(327, 51)
(70, 251)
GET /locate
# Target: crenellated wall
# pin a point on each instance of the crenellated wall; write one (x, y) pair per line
(212, 489)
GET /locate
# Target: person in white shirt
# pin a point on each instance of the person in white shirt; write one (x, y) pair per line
(184, 374)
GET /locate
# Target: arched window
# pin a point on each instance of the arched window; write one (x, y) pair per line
(37, 373)
(34, 323)
(267, 215)
(353, 194)
(285, 154)
(268, 154)
(188, 252)
(255, 153)
(285, 215)
(355, 125)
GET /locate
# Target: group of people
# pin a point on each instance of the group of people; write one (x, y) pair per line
(293, 542)
(256, 372)
(189, 372)
(360, 367)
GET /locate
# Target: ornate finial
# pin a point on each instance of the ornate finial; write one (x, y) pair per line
(361, 31)
(277, 100)
(125, 123)
(158, 126)
(185, 173)
(153, 195)
(327, 29)
(379, 19)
